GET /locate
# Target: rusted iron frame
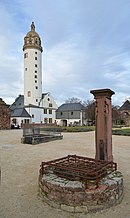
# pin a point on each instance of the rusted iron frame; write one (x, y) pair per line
(55, 164)
(82, 158)
(94, 162)
(87, 172)
(93, 175)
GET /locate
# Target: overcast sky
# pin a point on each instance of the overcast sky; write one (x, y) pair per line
(86, 46)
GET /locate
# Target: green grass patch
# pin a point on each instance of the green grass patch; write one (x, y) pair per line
(124, 132)
(120, 131)
(77, 128)
(70, 128)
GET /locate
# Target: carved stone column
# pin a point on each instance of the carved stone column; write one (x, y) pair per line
(103, 120)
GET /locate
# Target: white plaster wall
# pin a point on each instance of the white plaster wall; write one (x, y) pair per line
(48, 99)
(29, 76)
(45, 103)
(69, 121)
(39, 115)
(19, 120)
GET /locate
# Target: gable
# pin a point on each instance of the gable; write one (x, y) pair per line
(125, 106)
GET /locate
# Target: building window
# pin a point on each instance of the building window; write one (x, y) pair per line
(35, 81)
(50, 104)
(36, 87)
(30, 41)
(35, 52)
(45, 120)
(36, 41)
(50, 111)
(35, 76)
(50, 120)
(45, 111)
(72, 113)
(61, 113)
(26, 121)
(29, 93)
(35, 58)
(36, 100)
(25, 69)
(48, 99)
(35, 71)
(26, 55)
(32, 115)
(35, 65)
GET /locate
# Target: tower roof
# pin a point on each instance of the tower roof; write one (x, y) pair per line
(32, 32)
(32, 39)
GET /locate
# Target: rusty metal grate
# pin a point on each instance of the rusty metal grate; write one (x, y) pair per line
(78, 168)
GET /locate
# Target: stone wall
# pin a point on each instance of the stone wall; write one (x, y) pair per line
(4, 115)
(72, 196)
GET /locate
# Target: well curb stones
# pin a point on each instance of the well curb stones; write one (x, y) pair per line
(71, 196)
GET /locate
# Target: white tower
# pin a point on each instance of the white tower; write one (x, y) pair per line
(32, 68)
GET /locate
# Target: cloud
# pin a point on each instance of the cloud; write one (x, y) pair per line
(86, 46)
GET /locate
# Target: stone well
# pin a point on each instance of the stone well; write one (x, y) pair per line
(82, 184)
(75, 195)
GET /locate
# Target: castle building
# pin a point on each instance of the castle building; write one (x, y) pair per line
(34, 106)
(4, 115)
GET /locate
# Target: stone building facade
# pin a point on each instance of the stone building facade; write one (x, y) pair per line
(4, 115)
(125, 112)
(70, 114)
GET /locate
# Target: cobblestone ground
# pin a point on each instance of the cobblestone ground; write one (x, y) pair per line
(20, 165)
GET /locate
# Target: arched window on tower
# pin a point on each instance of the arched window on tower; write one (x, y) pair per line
(30, 41)
(29, 93)
(36, 41)
(25, 55)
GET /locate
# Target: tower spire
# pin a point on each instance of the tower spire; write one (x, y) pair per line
(32, 27)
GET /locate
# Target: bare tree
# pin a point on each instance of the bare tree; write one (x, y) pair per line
(73, 100)
(89, 111)
(116, 115)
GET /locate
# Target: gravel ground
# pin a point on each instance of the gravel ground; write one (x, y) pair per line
(20, 164)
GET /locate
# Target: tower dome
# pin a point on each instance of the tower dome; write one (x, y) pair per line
(32, 39)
